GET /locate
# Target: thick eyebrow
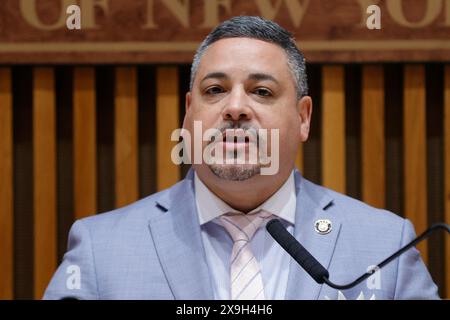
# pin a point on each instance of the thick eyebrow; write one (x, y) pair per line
(215, 75)
(262, 76)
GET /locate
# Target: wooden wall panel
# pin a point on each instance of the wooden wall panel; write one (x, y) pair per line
(414, 142)
(6, 186)
(126, 136)
(84, 141)
(44, 168)
(373, 138)
(333, 128)
(167, 120)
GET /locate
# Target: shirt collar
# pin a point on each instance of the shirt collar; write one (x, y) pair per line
(281, 204)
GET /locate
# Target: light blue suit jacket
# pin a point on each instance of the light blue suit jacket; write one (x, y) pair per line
(152, 249)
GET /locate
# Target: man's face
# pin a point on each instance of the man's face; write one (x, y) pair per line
(246, 83)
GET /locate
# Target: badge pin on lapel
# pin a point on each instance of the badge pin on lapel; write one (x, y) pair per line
(323, 226)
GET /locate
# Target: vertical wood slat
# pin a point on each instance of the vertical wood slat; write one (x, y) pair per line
(126, 136)
(167, 120)
(6, 186)
(373, 139)
(447, 174)
(414, 142)
(44, 168)
(84, 135)
(333, 128)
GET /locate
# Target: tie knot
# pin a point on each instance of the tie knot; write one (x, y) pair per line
(242, 227)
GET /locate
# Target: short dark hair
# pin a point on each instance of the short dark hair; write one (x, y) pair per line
(262, 29)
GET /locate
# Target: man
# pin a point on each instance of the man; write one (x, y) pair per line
(204, 238)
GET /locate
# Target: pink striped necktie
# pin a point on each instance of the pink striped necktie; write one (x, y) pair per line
(245, 273)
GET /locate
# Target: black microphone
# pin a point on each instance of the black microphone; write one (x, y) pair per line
(316, 270)
(297, 251)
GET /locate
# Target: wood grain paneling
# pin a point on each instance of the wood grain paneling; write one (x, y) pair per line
(373, 139)
(414, 142)
(84, 141)
(126, 136)
(333, 128)
(6, 186)
(44, 168)
(167, 120)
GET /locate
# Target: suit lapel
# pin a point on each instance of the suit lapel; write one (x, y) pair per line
(177, 237)
(312, 204)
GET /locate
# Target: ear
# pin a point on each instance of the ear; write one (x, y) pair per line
(187, 106)
(304, 107)
(188, 102)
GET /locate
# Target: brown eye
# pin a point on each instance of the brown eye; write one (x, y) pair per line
(214, 90)
(263, 92)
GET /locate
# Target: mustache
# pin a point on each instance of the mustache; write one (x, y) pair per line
(248, 128)
(236, 125)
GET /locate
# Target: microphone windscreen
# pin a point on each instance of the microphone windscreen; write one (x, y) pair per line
(297, 251)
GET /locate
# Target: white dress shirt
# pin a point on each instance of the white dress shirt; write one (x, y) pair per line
(272, 259)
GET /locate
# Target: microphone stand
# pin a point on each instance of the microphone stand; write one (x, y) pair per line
(317, 271)
(366, 275)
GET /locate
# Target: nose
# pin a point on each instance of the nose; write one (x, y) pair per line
(237, 108)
